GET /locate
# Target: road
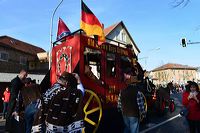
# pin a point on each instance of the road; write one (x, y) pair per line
(170, 122)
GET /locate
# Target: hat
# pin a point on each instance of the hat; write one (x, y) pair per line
(64, 75)
(127, 70)
(70, 78)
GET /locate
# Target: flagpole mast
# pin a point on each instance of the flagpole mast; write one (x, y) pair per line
(51, 34)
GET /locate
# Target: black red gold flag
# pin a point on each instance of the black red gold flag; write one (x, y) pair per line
(90, 24)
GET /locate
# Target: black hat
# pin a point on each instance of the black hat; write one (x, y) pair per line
(69, 77)
(127, 70)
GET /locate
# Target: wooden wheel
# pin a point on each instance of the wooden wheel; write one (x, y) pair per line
(92, 110)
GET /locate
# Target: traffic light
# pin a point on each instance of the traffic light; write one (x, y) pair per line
(183, 42)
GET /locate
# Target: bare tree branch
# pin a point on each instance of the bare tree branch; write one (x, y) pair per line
(177, 3)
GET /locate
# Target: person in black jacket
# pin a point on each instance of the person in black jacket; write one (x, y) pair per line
(28, 101)
(16, 85)
(61, 109)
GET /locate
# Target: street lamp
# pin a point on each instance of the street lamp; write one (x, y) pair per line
(51, 34)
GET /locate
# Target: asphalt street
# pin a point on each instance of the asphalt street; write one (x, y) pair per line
(170, 122)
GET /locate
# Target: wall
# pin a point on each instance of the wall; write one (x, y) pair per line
(176, 75)
(13, 63)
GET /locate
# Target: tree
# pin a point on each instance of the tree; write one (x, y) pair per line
(177, 3)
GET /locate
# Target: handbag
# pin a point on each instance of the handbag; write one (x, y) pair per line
(184, 112)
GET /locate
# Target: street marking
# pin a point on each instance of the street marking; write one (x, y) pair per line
(148, 129)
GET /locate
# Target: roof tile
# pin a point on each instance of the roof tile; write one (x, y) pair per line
(20, 45)
(173, 66)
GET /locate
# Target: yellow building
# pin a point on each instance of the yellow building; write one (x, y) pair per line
(174, 72)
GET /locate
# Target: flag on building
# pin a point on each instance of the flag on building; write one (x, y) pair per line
(90, 24)
(63, 30)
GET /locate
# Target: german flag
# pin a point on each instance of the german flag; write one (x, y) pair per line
(90, 24)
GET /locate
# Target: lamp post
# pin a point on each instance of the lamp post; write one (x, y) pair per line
(51, 34)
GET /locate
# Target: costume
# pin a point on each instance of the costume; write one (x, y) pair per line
(61, 110)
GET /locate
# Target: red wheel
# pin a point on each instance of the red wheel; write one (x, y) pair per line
(163, 107)
(172, 107)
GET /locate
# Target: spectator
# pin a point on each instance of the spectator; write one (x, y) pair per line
(132, 105)
(16, 85)
(62, 107)
(191, 100)
(5, 98)
(30, 96)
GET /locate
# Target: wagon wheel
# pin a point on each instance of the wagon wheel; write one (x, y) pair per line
(92, 110)
(145, 104)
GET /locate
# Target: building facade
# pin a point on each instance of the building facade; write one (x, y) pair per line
(16, 55)
(177, 73)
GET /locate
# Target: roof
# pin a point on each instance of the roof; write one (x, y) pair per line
(174, 66)
(7, 77)
(109, 29)
(20, 45)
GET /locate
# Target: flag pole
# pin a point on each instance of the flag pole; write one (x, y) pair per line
(51, 34)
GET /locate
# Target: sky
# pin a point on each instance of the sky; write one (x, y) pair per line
(155, 26)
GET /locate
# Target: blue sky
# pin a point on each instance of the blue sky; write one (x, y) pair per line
(152, 24)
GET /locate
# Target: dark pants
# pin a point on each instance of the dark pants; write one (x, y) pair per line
(5, 108)
(9, 119)
(194, 126)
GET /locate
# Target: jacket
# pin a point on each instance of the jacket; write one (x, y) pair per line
(192, 105)
(16, 85)
(129, 101)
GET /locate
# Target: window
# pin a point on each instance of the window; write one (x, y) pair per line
(4, 56)
(93, 62)
(123, 37)
(23, 60)
(117, 34)
(125, 62)
(111, 67)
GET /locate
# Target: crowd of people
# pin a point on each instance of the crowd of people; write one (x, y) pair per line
(30, 108)
(33, 109)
